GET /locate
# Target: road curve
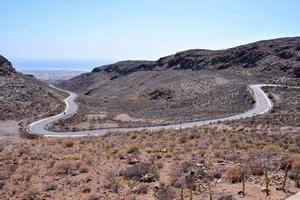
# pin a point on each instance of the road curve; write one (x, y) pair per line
(262, 105)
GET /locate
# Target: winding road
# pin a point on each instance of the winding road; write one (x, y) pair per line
(262, 105)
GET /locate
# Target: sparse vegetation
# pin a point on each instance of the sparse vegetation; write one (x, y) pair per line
(234, 175)
(212, 161)
(68, 143)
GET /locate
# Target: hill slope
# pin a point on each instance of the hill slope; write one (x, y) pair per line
(271, 57)
(23, 96)
(188, 85)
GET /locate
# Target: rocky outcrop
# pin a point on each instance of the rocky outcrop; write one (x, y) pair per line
(5, 67)
(22, 96)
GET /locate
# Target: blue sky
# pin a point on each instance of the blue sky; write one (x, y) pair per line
(137, 29)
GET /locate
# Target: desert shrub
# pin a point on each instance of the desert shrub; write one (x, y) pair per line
(111, 182)
(186, 173)
(50, 187)
(111, 151)
(182, 139)
(24, 151)
(257, 169)
(217, 173)
(133, 136)
(68, 143)
(132, 148)
(201, 152)
(159, 164)
(234, 175)
(156, 149)
(32, 194)
(24, 174)
(286, 164)
(270, 150)
(86, 189)
(70, 157)
(83, 170)
(65, 167)
(270, 95)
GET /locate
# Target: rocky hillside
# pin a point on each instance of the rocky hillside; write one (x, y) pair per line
(188, 85)
(23, 96)
(280, 57)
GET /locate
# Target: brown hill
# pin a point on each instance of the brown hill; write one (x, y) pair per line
(22, 96)
(271, 57)
(188, 85)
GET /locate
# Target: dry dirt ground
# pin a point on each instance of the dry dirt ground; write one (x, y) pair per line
(146, 165)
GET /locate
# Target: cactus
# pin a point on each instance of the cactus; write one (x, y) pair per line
(191, 193)
(209, 190)
(181, 194)
(243, 179)
(285, 178)
(267, 182)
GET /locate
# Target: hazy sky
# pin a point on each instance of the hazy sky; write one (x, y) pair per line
(138, 29)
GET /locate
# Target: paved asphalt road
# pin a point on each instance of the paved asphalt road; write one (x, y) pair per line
(294, 197)
(262, 105)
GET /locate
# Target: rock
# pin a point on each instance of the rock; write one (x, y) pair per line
(140, 189)
(226, 197)
(168, 155)
(2, 183)
(147, 178)
(297, 72)
(5, 67)
(74, 173)
(86, 190)
(144, 172)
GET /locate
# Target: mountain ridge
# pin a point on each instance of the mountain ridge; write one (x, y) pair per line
(245, 56)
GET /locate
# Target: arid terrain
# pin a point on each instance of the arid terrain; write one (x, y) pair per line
(212, 161)
(155, 165)
(24, 98)
(186, 86)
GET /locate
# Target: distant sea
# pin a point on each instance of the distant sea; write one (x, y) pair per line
(75, 65)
